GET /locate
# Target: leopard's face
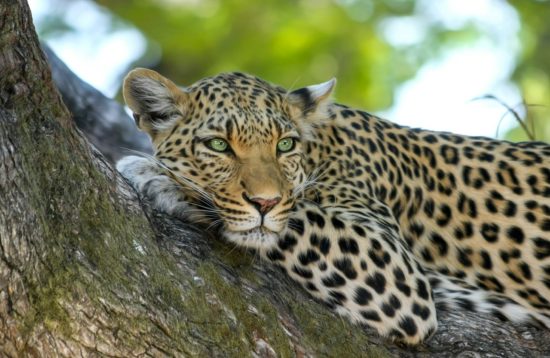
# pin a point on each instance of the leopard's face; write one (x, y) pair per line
(233, 142)
(248, 161)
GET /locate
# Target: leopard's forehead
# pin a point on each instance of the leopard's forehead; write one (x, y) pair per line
(243, 107)
(241, 86)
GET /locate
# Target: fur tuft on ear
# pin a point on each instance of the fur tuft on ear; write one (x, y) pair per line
(155, 100)
(312, 104)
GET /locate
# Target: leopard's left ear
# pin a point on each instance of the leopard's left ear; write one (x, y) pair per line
(311, 103)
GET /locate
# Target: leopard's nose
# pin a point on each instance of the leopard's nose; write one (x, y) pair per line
(263, 205)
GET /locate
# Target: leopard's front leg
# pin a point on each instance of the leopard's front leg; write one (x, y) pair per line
(151, 182)
(357, 262)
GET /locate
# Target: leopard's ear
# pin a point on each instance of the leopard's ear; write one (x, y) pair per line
(156, 101)
(311, 104)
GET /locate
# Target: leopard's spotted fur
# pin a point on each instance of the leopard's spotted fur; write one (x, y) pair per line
(372, 218)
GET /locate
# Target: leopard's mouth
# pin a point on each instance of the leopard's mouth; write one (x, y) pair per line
(258, 237)
(258, 230)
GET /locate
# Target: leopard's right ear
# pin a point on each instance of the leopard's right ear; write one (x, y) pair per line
(156, 101)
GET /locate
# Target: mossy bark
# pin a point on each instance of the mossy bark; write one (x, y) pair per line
(86, 269)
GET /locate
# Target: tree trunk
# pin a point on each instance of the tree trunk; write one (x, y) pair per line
(87, 269)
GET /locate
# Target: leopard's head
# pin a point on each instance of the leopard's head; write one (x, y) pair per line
(233, 141)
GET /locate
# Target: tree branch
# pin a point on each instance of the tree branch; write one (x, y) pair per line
(459, 333)
(103, 121)
(87, 269)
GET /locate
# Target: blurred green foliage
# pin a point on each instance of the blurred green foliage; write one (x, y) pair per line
(292, 43)
(300, 42)
(532, 73)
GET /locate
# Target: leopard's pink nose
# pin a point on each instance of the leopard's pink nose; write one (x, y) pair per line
(261, 204)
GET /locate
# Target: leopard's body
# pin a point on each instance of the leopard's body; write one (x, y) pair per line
(377, 220)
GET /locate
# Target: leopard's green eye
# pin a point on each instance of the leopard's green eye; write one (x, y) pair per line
(217, 144)
(285, 145)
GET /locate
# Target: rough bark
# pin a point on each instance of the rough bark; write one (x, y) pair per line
(87, 269)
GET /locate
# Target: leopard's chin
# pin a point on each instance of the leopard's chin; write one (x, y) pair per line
(257, 238)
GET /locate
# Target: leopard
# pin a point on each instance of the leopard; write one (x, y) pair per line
(385, 224)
